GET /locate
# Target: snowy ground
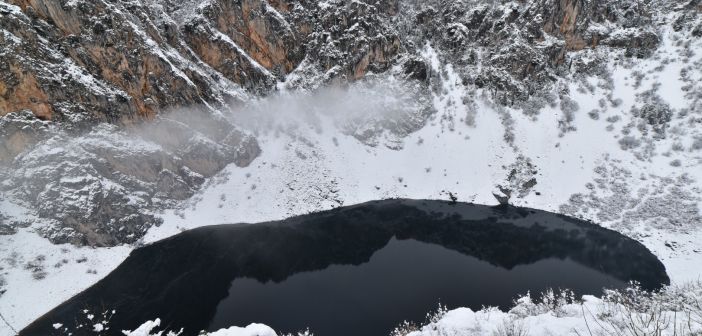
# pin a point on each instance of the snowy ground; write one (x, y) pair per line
(40, 275)
(649, 192)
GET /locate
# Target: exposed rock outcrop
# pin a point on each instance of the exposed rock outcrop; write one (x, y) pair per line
(19, 132)
(117, 61)
(104, 187)
(70, 68)
(90, 61)
(517, 49)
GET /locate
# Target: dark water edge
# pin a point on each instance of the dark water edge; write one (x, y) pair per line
(358, 270)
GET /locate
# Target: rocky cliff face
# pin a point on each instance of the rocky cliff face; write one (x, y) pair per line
(74, 73)
(518, 49)
(104, 187)
(120, 61)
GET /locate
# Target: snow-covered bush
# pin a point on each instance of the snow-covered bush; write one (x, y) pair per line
(36, 266)
(552, 301)
(673, 311)
(407, 327)
(697, 143)
(629, 142)
(511, 327)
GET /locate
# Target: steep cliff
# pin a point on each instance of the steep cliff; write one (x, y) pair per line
(120, 61)
(74, 73)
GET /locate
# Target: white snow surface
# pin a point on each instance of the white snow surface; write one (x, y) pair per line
(310, 166)
(254, 329)
(41, 275)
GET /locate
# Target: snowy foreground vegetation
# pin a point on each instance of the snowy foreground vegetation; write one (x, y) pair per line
(676, 310)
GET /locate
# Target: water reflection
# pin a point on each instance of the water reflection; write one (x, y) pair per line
(359, 270)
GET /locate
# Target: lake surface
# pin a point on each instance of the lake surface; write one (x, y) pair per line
(359, 270)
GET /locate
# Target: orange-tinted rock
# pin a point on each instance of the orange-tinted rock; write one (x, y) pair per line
(25, 94)
(88, 61)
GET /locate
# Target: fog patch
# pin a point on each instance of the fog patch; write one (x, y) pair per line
(375, 111)
(105, 186)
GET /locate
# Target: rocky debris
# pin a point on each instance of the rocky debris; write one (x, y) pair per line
(416, 68)
(19, 131)
(502, 195)
(688, 18)
(452, 198)
(518, 49)
(520, 180)
(102, 188)
(6, 229)
(9, 225)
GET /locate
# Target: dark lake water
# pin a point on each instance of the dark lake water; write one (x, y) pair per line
(359, 270)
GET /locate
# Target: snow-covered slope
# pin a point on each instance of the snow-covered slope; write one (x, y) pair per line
(617, 140)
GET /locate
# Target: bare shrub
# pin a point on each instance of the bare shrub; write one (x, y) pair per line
(676, 310)
(511, 327)
(405, 328)
(548, 301)
(431, 318)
